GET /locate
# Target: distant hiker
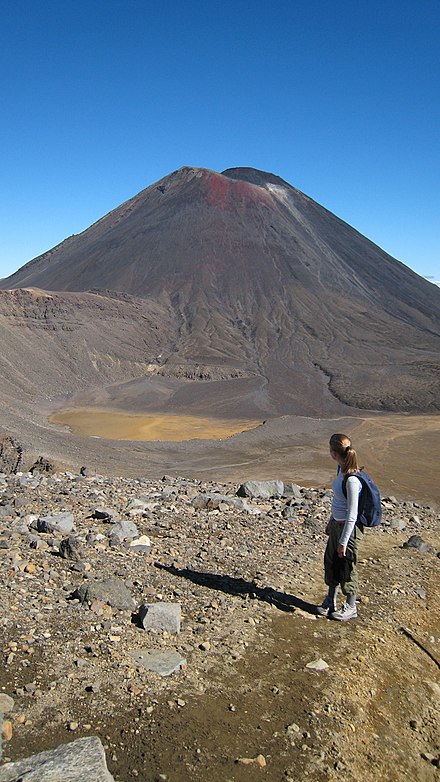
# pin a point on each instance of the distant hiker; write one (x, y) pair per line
(344, 530)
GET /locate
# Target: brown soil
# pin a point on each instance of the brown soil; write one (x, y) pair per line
(163, 428)
(398, 450)
(372, 715)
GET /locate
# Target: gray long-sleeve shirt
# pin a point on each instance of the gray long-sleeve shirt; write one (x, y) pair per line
(346, 509)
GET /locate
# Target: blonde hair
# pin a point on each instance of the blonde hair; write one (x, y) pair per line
(341, 445)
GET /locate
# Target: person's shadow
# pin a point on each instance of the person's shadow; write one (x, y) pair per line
(241, 587)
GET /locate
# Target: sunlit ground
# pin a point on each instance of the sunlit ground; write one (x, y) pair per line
(167, 428)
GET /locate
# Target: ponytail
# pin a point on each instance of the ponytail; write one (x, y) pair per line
(341, 445)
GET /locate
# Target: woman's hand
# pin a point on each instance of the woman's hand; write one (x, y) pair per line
(341, 551)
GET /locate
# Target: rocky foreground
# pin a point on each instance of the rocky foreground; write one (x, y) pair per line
(175, 621)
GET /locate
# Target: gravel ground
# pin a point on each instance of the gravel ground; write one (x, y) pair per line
(247, 574)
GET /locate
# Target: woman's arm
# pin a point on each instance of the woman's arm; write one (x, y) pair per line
(354, 488)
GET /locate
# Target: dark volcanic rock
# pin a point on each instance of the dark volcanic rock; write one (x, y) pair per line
(10, 454)
(42, 466)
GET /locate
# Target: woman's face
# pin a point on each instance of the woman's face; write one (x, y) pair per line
(333, 454)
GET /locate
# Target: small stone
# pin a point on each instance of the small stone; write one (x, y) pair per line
(71, 548)
(7, 730)
(29, 568)
(417, 542)
(105, 514)
(141, 545)
(163, 663)
(433, 687)
(73, 725)
(205, 646)
(123, 531)
(317, 665)
(429, 757)
(260, 761)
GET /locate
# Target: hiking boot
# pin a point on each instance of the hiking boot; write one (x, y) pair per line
(345, 613)
(327, 607)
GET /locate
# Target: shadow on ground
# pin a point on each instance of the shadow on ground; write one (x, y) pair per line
(240, 587)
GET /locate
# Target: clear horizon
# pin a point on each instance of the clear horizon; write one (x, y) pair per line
(102, 100)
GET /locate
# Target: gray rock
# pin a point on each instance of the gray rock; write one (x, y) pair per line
(141, 545)
(160, 616)
(86, 473)
(123, 530)
(29, 481)
(71, 548)
(110, 591)
(292, 490)
(6, 510)
(317, 665)
(261, 489)
(56, 522)
(137, 505)
(105, 514)
(6, 703)
(415, 541)
(213, 500)
(163, 663)
(398, 524)
(82, 760)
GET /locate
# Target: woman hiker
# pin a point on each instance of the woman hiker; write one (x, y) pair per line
(344, 534)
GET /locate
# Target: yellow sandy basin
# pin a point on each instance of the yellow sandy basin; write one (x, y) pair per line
(127, 426)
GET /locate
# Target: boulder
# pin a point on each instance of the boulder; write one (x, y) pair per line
(123, 530)
(160, 616)
(261, 489)
(55, 522)
(111, 591)
(82, 760)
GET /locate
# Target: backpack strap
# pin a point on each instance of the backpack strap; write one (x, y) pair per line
(362, 495)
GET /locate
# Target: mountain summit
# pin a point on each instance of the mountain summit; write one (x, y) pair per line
(261, 286)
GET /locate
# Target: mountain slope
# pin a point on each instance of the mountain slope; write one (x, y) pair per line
(259, 280)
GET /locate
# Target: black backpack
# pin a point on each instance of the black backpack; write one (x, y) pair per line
(369, 508)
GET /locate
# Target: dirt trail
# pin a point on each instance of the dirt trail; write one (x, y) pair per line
(369, 716)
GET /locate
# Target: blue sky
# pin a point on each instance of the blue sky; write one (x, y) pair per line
(101, 99)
